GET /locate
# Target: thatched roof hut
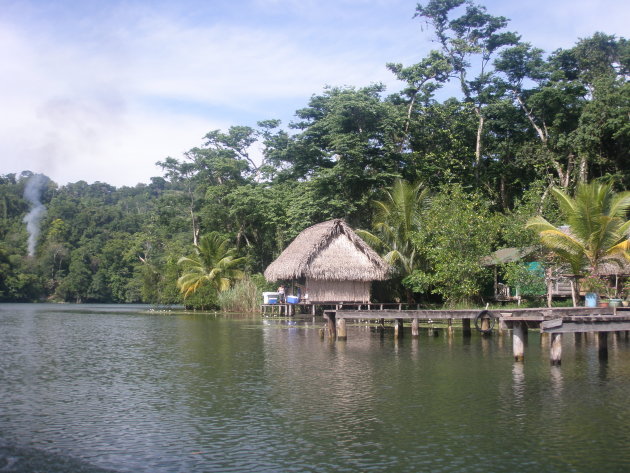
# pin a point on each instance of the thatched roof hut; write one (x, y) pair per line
(334, 264)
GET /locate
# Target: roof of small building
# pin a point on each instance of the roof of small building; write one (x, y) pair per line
(331, 251)
(507, 255)
(616, 266)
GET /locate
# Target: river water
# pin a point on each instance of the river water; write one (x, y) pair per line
(122, 389)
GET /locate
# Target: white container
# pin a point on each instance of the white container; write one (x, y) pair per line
(267, 295)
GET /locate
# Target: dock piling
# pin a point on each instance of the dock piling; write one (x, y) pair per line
(555, 351)
(518, 342)
(341, 329)
(467, 332)
(603, 345)
(415, 330)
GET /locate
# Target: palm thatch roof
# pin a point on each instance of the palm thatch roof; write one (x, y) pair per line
(611, 267)
(507, 255)
(329, 251)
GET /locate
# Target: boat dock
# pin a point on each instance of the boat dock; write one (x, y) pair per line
(554, 321)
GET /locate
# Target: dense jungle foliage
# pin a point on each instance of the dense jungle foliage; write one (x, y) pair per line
(524, 120)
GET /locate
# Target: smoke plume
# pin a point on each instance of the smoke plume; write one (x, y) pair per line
(32, 193)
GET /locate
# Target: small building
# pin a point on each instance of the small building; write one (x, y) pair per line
(331, 263)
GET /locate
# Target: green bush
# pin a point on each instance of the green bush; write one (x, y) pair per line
(244, 296)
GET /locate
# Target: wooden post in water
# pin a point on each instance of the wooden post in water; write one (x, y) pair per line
(555, 352)
(518, 342)
(485, 324)
(415, 330)
(450, 328)
(466, 327)
(341, 329)
(603, 345)
(398, 328)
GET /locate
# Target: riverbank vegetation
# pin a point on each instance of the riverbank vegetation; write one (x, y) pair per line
(520, 122)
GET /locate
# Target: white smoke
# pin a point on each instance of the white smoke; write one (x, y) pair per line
(32, 193)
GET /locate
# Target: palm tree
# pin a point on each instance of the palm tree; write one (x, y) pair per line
(396, 220)
(215, 263)
(597, 228)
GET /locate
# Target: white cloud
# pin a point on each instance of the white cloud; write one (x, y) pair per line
(105, 95)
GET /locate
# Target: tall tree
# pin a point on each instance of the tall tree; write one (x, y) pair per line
(475, 35)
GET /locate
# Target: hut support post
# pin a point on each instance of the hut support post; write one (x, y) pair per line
(555, 351)
(518, 342)
(415, 330)
(603, 345)
(341, 329)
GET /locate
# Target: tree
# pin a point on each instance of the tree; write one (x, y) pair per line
(597, 228)
(473, 35)
(216, 264)
(422, 79)
(458, 230)
(396, 221)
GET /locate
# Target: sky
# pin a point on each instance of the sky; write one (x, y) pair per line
(100, 90)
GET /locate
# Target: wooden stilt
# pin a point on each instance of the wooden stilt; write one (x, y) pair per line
(518, 342)
(466, 327)
(341, 329)
(602, 338)
(555, 351)
(415, 328)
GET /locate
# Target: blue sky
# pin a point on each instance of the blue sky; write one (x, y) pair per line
(101, 90)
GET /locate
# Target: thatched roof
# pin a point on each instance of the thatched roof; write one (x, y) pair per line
(611, 267)
(507, 255)
(330, 251)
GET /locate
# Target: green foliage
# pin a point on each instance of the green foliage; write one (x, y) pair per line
(245, 296)
(396, 220)
(214, 264)
(458, 230)
(527, 279)
(597, 231)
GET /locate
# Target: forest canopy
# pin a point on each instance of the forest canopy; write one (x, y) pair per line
(524, 120)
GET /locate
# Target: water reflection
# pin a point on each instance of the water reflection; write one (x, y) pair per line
(557, 381)
(518, 382)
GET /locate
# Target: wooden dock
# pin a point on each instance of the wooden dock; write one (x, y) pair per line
(554, 321)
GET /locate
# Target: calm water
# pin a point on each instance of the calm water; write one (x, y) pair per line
(111, 388)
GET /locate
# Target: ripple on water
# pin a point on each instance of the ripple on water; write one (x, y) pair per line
(142, 393)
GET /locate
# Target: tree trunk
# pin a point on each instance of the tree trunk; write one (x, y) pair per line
(478, 143)
(575, 292)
